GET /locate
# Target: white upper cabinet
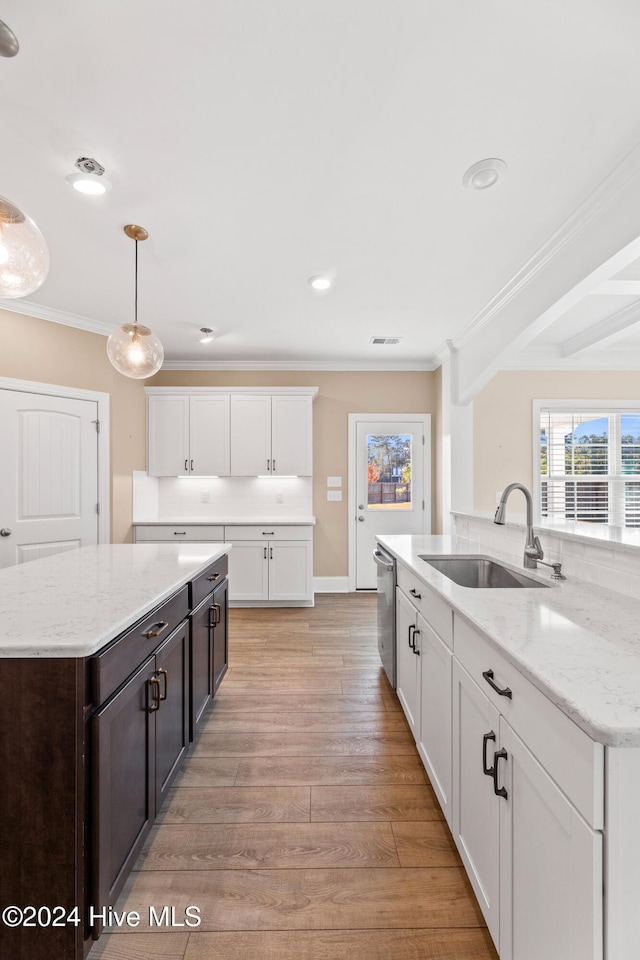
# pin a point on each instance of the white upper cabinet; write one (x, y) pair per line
(271, 435)
(238, 432)
(188, 435)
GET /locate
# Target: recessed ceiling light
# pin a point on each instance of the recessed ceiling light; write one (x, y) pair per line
(484, 174)
(207, 334)
(91, 180)
(320, 283)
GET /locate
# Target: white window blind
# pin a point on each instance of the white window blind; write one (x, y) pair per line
(590, 465)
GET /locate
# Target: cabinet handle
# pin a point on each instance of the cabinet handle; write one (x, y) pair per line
(214, 577)
(217, 613)
(265, 553)
(416, 633)
(268, 466)
(271, 553)
(411, 627)
(268, 533)
(414, 593)
(186, 466)
(192, 465)
(159, 627)
(503, 691)
(273, 466)
(179, 533)
(488, 771)
(165, 674)
(499, 791)
(154, 683)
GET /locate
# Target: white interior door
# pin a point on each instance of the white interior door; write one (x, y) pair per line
(48, 475)
(391, 489)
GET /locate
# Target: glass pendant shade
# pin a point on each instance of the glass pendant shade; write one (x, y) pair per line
(24, 257)
(135, 351)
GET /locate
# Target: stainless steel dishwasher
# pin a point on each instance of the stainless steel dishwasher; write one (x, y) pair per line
(386, 587)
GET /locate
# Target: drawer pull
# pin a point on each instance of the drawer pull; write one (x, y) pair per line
(160, 625)
(179, 533)
(503, 691)
(414, 593)
(268, 533)
(214, 577)
(164, 673)
(499, 791)
(488, 771)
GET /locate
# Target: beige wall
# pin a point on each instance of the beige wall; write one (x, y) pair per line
(502, 420)
(340, 393)
(46, 352)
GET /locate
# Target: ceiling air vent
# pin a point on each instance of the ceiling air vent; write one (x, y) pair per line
(385, 341)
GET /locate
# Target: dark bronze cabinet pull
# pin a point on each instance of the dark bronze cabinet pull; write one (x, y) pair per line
(217, 613)
(164, 673)
(268, 533)
(488, 771)
(179, 533)
(411, 627)
(499, 791)
(414, 593)
(416, 633)
(503, 691)
(154, 683)
(214, 577)
(186, 466)
(156, 629)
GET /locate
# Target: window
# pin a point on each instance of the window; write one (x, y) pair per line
(589, 462)
(389, 471)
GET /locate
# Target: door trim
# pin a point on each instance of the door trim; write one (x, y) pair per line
(354, 418)
(102, 401)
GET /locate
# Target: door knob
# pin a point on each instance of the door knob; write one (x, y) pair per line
(361, 519)
(361, 506)
(5, 532)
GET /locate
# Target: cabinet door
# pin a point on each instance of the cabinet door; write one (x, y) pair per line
(291, 433)
(434, 741)
(124, 779)
(250, 435)
(172, 716)
(201, 662)
(209, 453)
(248, 571)
(407, 661)
(290, 570)
(550, 866)
(476, 810)
(168, 436)
(220, 632)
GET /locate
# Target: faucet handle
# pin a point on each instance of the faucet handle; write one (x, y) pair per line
(534, 549)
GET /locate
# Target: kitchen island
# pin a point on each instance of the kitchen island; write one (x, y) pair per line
(525, 707)
(109, 656)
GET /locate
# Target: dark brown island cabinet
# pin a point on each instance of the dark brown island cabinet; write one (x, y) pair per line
(89, 748)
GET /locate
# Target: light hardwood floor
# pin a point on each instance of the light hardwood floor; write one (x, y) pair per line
(303, 825)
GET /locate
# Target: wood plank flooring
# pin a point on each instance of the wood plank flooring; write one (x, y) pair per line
(303, 825)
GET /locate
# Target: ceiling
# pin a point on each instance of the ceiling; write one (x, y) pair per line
(263, 142)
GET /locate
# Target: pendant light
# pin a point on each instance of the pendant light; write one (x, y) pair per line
(24, 257)
(134, 350)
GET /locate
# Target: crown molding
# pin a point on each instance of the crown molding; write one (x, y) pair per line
(30, 309)
(428, 365)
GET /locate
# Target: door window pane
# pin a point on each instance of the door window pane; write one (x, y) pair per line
(389, 471)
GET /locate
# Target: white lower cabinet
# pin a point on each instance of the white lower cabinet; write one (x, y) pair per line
(273, 570)
(521, 786)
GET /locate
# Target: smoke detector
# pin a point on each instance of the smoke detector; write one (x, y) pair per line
(385, 341)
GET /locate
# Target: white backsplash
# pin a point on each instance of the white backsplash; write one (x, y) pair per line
(612, 565)
(163, 498)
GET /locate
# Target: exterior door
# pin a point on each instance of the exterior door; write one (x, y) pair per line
(392, 492)
(48, 475)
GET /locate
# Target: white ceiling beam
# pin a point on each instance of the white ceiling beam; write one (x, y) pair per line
(604, 332)
(598, 240)
(618, 288)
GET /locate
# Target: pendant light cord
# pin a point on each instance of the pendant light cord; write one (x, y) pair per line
(135, 309)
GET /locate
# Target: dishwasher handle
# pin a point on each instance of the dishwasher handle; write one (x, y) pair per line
(383, 561)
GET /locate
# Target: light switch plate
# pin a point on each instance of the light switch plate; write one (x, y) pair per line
(334, 481)
(334, 494)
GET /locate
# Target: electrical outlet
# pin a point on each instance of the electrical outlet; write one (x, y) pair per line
(279, 497)
(334, 494)
(204, 496)
(334, 481)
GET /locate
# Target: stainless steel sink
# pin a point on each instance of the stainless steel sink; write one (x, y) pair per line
(480, 572)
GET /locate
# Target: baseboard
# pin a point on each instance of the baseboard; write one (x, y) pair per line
(331, 584)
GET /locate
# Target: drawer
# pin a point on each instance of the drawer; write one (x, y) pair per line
(110, 669)
(273, 531)
(208, 580)
(433, 608)
(568, 754)
(175, 532)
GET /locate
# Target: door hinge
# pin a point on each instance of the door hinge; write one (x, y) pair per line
(423, 439)
(423, 504)
(97, 423)
(98, 509)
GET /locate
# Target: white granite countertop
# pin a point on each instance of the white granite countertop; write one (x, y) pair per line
(578, 643)
(73, 603)
(227, 522)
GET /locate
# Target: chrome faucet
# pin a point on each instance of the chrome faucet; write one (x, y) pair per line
(532, 549)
